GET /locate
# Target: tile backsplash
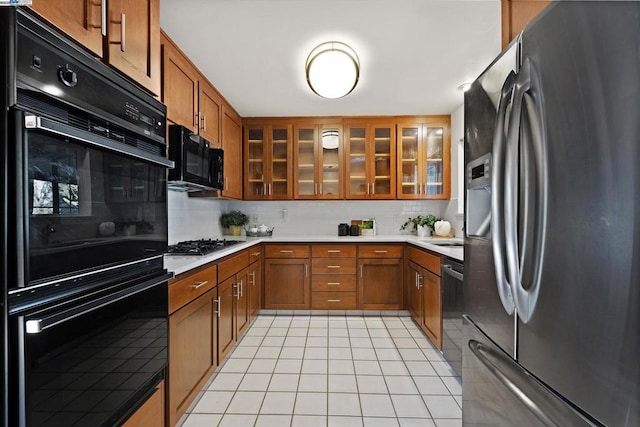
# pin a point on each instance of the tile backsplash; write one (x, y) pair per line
(195, 218)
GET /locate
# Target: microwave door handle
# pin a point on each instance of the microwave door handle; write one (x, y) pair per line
(36, 323)
(50, 126)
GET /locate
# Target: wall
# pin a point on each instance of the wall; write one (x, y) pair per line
(193, 218)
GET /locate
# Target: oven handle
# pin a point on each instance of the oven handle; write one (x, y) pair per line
(447, 269)
(39, 324)
(47, 125)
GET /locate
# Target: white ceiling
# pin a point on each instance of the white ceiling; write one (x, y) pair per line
(413, 53)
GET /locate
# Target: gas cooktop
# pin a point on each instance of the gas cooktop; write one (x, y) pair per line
(199, 247)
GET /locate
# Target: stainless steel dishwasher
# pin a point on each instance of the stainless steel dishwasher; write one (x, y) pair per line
(452, 272)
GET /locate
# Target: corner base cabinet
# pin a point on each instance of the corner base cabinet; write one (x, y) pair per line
(287, 283)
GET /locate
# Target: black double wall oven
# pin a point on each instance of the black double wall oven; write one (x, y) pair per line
(84, 221)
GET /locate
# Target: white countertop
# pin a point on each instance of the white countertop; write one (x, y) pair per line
(178, 264)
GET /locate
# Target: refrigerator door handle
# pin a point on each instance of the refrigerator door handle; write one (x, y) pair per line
(549, 409)
(528, 247)
(497, 228)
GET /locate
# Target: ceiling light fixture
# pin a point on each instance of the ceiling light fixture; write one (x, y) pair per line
(333, 69)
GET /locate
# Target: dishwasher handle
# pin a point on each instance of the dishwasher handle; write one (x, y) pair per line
(448, 269)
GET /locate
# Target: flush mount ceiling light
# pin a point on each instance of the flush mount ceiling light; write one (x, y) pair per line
(333, 69)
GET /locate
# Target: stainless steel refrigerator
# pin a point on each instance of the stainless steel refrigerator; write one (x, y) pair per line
(552, 225)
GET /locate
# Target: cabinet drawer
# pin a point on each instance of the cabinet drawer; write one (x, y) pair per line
(185, 288)
(333, 282)
(425, 259)
(333, 251)
(287, 251)
(333, 300)
(333, 265)
(380, 251)
(232, 264)
(255, 254)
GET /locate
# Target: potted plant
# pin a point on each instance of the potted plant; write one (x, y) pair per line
(368, 227)
(234, 221)
(421, 223)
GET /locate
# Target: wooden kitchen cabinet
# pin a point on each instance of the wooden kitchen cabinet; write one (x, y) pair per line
(516, 14)
(424, 158)
(423, 292)
(232, 145)
(370, 165)
(286, 281)
(80, 19)
(209, 112)
(268, 161)
(234, 269)
(333, 279)
(318, 170)
(254, 279)
(131, 41)
(193, 302)
(226, 317)
(380, 273)
(151, 413)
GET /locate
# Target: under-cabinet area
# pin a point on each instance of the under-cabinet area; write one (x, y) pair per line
(212, 306)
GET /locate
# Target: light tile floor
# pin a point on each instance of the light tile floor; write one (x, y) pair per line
(331, 371)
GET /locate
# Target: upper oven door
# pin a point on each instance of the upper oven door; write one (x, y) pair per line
(83, 200)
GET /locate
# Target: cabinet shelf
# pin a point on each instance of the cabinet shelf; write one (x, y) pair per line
(409, 160)
(256, 180)
(382, 139)
(256, 141)
(330, 166)
(279, 161)
(383, 177)
(383, 155)
(330, 181)
(279, 180)
(305, 165)
(357, 154)
(306, 181)
(357, 138)
(305, 141)
(279, 141)
(407, 184)
(435, 160)
(255, 160)
(358, 177)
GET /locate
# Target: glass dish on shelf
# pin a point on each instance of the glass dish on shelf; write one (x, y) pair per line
(259, 231)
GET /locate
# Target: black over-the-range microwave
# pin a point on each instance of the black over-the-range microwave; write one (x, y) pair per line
(198, 166)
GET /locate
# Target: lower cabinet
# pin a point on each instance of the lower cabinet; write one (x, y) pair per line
(424, 301)
(333, 279)
(192, 351)
(151, 413)
(234, 300)
(226, 317)
(287, 284)
(254, 285)
(380, 273)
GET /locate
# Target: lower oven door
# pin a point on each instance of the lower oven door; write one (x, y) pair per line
(90, 361)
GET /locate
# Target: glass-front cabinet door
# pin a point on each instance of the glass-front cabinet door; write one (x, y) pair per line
(424, 160)
(370, 165)
(318, 162)
(268, 162)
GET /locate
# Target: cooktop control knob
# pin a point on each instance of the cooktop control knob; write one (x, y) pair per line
(67, 76)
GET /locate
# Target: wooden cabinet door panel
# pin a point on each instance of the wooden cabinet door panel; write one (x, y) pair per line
(432, 308)
(414, 285)
(134, 40)
(180, 87)
(151, 413)
(242, 302)
(287, 284)
(190, 352)
(380, 284)
(80, 19)
(232, 145)
(210, 105)
(226, 317)
(254, 287)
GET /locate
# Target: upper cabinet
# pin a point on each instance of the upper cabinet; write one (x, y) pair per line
(80, 19)
(424, 164)
(191, 100)
(267, 162)
(318, 160)
(370, 148)
(516, 14)
(133, 40)
(232, 145)
(131, 31)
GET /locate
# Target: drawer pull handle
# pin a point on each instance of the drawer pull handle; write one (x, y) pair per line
(199, 284)
(333, 283)
(256, 254)
(333, 266)
(217, 300)
(333, 251)
(380, 252)
(333, 300)
(283, 251)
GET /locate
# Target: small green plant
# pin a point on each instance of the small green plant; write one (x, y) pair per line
(367, 224)
(233, 218)
(422, 220)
